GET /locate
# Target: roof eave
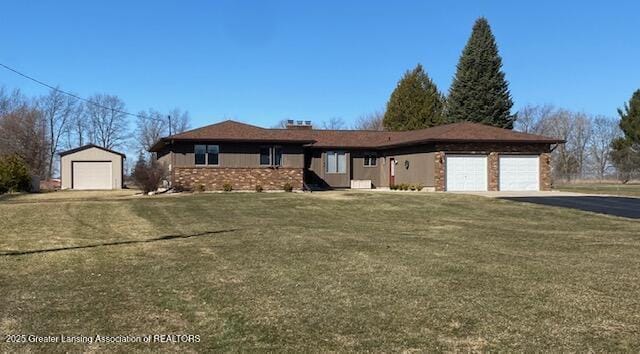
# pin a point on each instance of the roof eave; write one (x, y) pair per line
(162, 142)
(456, 141)
(89, 146)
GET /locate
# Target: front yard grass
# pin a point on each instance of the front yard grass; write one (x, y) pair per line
(630, 190)
(319, 272)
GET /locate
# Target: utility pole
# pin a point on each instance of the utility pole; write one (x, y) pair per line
(169, 117)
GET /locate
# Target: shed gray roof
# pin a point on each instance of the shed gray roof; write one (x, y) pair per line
(89, 146)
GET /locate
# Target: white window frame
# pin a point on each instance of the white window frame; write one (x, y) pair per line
(336, 169)
(370, 156)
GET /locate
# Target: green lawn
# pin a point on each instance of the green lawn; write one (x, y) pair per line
(632, 190)
(318, 272)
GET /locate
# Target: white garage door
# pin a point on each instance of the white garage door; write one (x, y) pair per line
(92, 175)
(519, 173)
(466, 173)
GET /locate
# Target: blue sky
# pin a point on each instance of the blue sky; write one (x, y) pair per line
(262, 61)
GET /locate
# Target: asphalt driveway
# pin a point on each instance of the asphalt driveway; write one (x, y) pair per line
(611, 205)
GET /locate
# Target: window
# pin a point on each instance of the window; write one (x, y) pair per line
(212, 154)
(200, 152)
(206, 154)
(270, 155)
(336, 162)
(370, 160)
(277, 155)
(265, 155)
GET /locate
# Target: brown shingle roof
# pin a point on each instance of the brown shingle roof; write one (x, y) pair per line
(455, 132)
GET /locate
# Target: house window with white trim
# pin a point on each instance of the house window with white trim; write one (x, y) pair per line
(336, 162)
(370, 159)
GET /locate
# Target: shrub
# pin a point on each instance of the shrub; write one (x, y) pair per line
(148, 174)
(412, 187)
(419, 187)
(258, 188)
(227, 187)
(201, 188)
(393, 187)
(180, 188)
(404, 187)
(14, 175)
(287, 187)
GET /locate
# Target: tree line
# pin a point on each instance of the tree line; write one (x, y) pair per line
(588, 151)
(37, 128)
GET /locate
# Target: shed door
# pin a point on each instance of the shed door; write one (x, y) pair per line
(466, 173)
(92, 175)
(519, 173)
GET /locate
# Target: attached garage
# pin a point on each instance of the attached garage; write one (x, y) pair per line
(91, 167)
(466, 173)
(519, 173)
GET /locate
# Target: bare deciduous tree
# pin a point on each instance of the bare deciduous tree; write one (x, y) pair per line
(180, 120)
(581, 138)
(586, 152)
(530, 118)
(153, 125)
(79, 131)
(559, 124)
(371, 121)
(604, 131)
(282, 124)
(108, 124)
(150, 127)
(58, 111)
(335, 123)
(11, 101)
(23, 132)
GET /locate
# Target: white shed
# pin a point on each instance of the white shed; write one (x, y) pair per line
(91, 167)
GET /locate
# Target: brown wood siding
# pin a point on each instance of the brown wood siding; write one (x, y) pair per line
(361, 172)
(316, 171)
(237, 155)
(421, 165)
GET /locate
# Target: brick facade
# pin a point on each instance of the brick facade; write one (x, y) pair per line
(438, 171)
(492, 165)
(545, 171)
(493, 151)
(213, 178)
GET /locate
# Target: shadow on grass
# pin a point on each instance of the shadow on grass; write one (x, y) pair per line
(115, 243)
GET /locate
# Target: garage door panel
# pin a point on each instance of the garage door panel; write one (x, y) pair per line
(519, 173)
(466, 173)
(92, 175)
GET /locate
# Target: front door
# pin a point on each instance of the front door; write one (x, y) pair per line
(392, 171)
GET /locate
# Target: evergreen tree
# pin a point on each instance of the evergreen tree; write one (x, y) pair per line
(415, 103)
(479, 92)
(630, 119)
(625, 152)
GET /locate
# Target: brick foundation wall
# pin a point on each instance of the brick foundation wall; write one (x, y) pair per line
(213, 178)
(493, 164)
